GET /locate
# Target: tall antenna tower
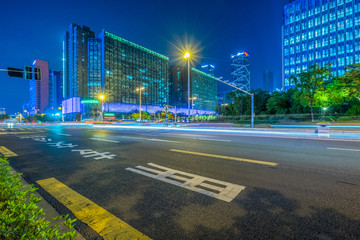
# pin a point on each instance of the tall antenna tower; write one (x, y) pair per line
(240, 65)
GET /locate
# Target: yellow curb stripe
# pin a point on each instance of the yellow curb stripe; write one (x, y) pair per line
(6, 152)
(225, 157)
(104, 223)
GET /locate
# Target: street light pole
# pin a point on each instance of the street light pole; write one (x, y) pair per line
(187, 57)
(139, 89)
(102, 98)
(252, 110)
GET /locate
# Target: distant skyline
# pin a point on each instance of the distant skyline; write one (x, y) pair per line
(34, 30)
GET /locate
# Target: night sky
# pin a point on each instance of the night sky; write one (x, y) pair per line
(34, 30)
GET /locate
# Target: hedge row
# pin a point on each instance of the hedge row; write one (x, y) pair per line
(20, 217)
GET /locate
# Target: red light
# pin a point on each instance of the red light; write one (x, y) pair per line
(246, 54)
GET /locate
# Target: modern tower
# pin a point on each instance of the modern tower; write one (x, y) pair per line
(268, 80)
(75, 57)
(45, 95)
(320, 32)
(39, 90)
(55, 89)
(203, 88)
(240, 65)
(108, 64)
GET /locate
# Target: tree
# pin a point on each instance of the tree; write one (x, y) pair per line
(308, 83)
(4, 117)
(351, 81)
(278, 103)
(144, 115)
(333, 93)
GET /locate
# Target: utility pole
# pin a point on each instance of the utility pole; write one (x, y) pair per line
(252, 99)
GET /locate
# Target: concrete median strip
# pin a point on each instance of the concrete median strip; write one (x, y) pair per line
(104, 223)
(6, 152)
(225, 157)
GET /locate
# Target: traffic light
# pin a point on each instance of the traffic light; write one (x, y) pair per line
(15, 72)
(37, 73)
(28, 73)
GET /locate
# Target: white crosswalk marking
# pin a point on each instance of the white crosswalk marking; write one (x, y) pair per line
(211, 187)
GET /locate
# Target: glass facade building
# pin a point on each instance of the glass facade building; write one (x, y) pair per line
(240, 66)
(75, 57)
(203, 88)
(321, 32)
(126, 66)
(110, 65)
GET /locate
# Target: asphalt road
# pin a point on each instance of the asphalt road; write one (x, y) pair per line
(294, 188)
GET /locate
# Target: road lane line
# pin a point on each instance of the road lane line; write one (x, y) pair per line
(104, 223)
(225, 157)
(63, 134)
(104, 140)
(192, 182)
(6, 152)
(344, 149)
(161, 140)
(212, 139)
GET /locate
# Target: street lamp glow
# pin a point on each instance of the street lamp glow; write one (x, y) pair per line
(187, 55)
(101, 97)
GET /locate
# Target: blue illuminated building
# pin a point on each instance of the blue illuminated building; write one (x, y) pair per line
(320, 32)
(110, 65)
(203, 89)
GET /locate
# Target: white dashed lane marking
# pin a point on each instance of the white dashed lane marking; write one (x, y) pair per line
(104, 140)
(344, 149)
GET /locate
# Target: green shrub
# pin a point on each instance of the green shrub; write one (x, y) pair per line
(20, 217)
(343, 119)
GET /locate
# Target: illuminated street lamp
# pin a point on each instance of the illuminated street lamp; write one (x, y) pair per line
(102, 99)
(187, 57)
(324, 112)
(224, 105)
(192, 102)
(139, 89)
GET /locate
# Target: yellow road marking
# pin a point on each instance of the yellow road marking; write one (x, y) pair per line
(6, 152)
(104, 223)
(226, 157)
(9, 133)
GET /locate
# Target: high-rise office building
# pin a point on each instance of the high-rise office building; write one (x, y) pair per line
(39, 90)
(320, 32)
(203, 88)
(55, 89)
(240, 65)
(268, 80)
(115, 67)
(209, 69)
(45, 95)
(75, 57)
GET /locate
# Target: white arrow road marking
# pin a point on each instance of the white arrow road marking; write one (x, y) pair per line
(211, 187)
